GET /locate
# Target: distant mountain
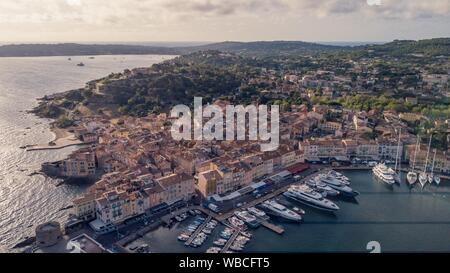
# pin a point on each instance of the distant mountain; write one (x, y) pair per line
(266, 47)
(250, 48)
(430, 47)
(400, 48)
(70, 49)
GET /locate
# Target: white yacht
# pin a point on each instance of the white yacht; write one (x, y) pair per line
(248, 218)
(307, 196)
(385, 174)
(257, 212)
(236, 222)
(337, 185)
(322, 187)
(339, 176)
(274, 208)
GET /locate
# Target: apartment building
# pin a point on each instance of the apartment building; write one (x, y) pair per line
(80, 164)
(84, 207)
(177, 187)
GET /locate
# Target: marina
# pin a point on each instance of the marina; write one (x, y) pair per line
(359, 217)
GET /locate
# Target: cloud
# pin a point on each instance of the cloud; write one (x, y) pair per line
(128, 13)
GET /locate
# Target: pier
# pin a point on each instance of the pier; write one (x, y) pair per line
(277, 229)
(198, 230)
(230, 241)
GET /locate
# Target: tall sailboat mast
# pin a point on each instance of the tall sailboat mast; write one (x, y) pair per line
(428, 153)
(423, 177)
(415, 153)
(411, 177)
(398, 150)
(434, 160)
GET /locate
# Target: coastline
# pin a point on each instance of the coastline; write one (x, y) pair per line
(62, 138)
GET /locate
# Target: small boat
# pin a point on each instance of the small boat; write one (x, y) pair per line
(411, 177)
(80, 64)
(237, 223)
(437, 180)
(143, 249)
(220, 242)
(207, 231)
(299, 210)
(236, 248)
(423, 178)
(213, 250)
(430, 178)
(183, 237)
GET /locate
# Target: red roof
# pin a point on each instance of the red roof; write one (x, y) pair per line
(297, 168)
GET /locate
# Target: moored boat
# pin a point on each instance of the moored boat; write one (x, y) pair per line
(307, 196)
(274, 208)
(383, 173)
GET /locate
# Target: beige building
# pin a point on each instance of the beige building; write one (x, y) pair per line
(177, 187)
(84, 207)
(79, 165)
(210, 183)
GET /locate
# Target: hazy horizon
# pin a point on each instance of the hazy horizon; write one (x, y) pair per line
(192, 43)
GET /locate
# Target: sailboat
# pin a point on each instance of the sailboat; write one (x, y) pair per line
(397, 163)
(412, 175)
(437, 180)
(423, 176)
(431, 175)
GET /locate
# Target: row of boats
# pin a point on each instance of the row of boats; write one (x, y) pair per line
(423, 177)
(391, 176)
(236, 246)
(201, 237)
(312, 193)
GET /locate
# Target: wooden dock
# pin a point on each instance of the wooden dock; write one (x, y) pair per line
(277, 229)
(198, 230)
(230, 241)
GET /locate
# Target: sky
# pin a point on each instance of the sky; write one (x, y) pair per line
(221, 20)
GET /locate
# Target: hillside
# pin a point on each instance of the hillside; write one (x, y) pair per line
(397, 48)
(250, 48)
(138, 92)
(267, 48)
(37, 50)
(401, 48)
